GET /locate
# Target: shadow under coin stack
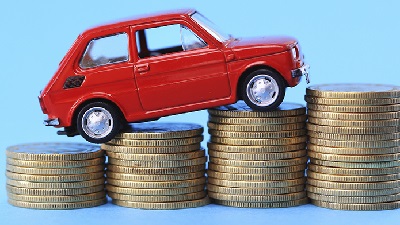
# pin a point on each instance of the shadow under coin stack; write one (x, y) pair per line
(55, 176)
(157, 166)
(354, 146)
(257, 159)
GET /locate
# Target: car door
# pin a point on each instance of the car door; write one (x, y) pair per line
(176, 67)
(107, 67)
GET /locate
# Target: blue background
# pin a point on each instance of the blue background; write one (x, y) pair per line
(343, 41)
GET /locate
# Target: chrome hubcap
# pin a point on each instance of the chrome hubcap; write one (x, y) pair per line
(262, 90)
(97, 122)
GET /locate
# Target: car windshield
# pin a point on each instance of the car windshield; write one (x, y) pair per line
(210, 27)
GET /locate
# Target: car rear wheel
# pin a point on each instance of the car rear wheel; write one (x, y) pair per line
(263, 90)
(98, 122)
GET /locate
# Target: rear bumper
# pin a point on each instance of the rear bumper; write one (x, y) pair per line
(51, 122)
(302, 71)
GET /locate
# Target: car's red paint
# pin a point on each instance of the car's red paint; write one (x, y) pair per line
(147, 88)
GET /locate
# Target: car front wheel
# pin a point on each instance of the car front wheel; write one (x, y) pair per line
(98, 122)
(263, 90)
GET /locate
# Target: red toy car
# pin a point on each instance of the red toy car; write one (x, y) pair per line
(121, 72)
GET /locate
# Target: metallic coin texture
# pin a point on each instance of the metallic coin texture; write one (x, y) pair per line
(158, 130)
(54, 151)
(354, 91)
(241, 109)
(163, 205)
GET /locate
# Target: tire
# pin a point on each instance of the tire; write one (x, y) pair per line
(255, 93)
(98, 122)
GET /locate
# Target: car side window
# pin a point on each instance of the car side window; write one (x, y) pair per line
(105, 50)
(166, 39)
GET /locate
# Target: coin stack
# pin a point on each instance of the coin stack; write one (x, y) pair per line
(257, 159)
(157, 166)
(55, 175)
(354, 146)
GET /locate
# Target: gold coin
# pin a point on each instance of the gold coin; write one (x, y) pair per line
(259, 164)
(356, 144)
(151, 150)
(154, 171)
(157, 184)
(255, 177)
(258, 142)
(265, 121)
(163, 205)
(257, 156)
(262, 204)
(279, 134)
(154, 191)
(345, 91)
(54, 178)
(354, 186)
(354, 137)
(256, 149)
(351, 102)
(158, 198)
(58, 205)
(157, 157)
(354, 200)
(241, 109)
(256, 128)
(354, 158)
(257, 184)
(162, 177)
(357, 165)
(59, 171)
(158, 164)
(258, 198)
(254, 191)
(354, 123)
(54, 151)
(359, 207)
(51, 185)
(48, 199)
(354, 116)
(355, 109)
(352, 130)
(354, 179)
(158, 130)
(157, 143)
(352, 193)
(356, 172)
(235, 169)
(353, 151)
(56, 164)
(54, 191)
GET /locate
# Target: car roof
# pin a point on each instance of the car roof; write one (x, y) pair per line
(140, 20)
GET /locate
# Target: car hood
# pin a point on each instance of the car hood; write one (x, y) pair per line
(253, 47)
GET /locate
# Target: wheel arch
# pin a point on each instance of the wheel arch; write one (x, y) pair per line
(83, 103)
(249, 70)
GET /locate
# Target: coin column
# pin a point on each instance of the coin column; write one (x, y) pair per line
(257, 159)
(354, 146)
(157, 166)
(55, 176)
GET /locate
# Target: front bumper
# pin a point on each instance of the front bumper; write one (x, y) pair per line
(302, 71)
(51, 122)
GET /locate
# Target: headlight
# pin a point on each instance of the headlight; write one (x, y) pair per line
(294, 53)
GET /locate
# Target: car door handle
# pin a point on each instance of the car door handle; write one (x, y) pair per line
(142, 68)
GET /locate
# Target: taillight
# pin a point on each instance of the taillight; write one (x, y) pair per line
(295, 52)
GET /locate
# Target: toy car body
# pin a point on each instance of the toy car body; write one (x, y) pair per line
(118, 73)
